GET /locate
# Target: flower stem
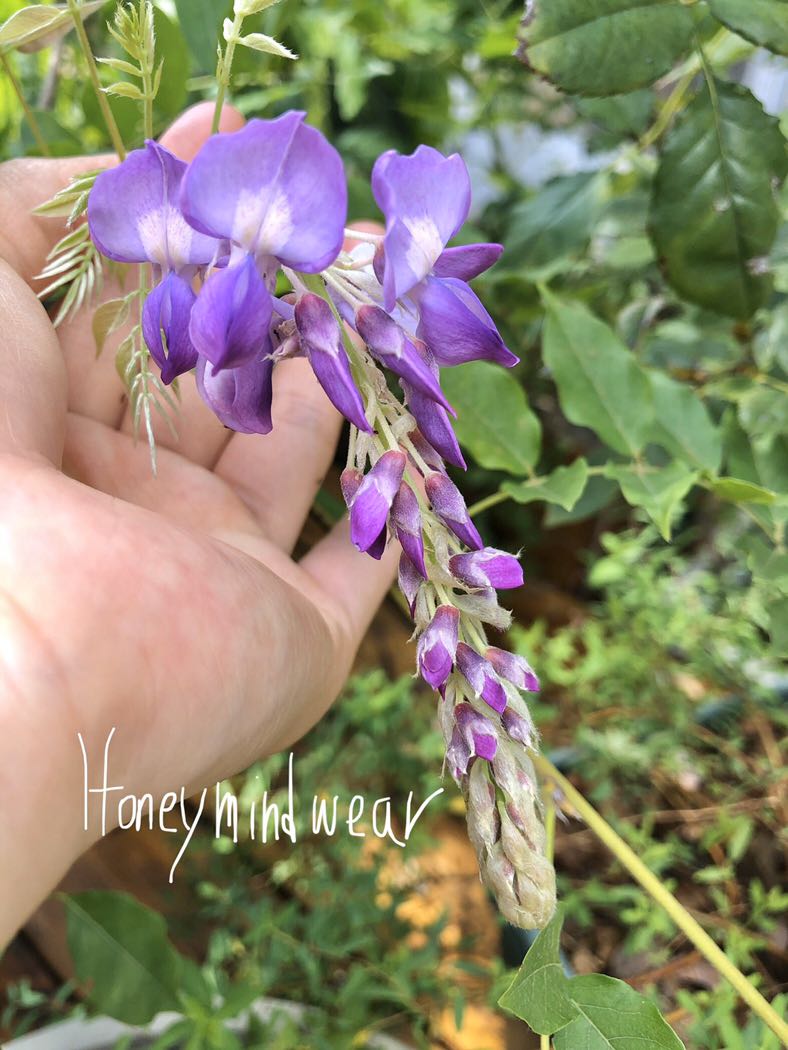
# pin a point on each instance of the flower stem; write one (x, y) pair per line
(223, 71)
(104, 106)
(689, 926)
(30, 116)
(487, 502)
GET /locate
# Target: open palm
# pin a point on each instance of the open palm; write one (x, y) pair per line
(168, 607)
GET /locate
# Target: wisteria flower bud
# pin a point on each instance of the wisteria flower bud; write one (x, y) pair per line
(484, 822)
(410, 581)
(406, 519)
(372, 502)
(321, 338)
(473, 735)
(432, 419)
(487, 568)
(245, 8)
(437, 646)
(481, 676)
(349, 481)
(448, 504)
(165, 325)
(514, 669)
(389, 344)
(518, 728)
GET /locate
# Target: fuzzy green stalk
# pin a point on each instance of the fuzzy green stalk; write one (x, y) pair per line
(223, 71)
(30, 116)
(689, 926)
(101, 98)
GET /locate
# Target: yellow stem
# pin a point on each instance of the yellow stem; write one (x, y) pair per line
(87, 51)
(689, 926)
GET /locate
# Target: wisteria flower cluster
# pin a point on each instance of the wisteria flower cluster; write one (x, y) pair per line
(272, 199)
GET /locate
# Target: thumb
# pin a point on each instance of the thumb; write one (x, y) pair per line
(193, 127)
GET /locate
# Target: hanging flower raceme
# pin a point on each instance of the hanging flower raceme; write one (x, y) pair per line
(271, 200)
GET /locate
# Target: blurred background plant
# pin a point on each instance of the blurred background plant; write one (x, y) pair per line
(639, 454)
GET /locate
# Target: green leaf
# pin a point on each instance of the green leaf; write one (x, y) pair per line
(200, 21)
(494, 421)
(593, 1012)
(765, 22)
(538, 994)
(120, 948)
(658, 491)
(563, 486)
(600, 384)
(108, 318)
(604, 47)
(713, 212)
(553, 227)
(37, 26)
(682, 425)
(613, 1016)
(737, 491)
(261, 42)
(170, 45)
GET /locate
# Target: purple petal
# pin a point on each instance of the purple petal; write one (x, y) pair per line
(467, 261)
(239, 397)
(389, 344)
(349, 481)
(448, 504)
(406, 518)
(487, 568)
(321, 338)
(425, 198)
(134, 216)
(456, 327)
(276, 187)
(518, 728)
(377, 549)
(481, 677)
(165, 325)
(437, 646)
(409, 580)
(372, 502)
(514, 669)
(433, 420)
(477, 730)
(231, 318)
(430, 456)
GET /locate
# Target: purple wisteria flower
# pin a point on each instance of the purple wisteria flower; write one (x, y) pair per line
(323, 343)
(437, 646)
(276, 191)
(370, 506)
(134, 217)
(425, 198)
(271, 199)
(481, 676)
(473, 735)
(448, 504)
(487, 568)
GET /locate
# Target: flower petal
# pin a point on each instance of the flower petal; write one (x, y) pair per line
(372, 502)
(321, 338)
(487, 568)
(231, 318)
(432, 418)
(134, 214)
(165, 325)
(406, 518)
(456, 327)
(425, 198)
(448, 504)
(467, 261)
(239, 397)
(276, 187)
(437, 646)
(389, 344)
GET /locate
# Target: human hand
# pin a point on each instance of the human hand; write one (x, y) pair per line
(169, 607)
